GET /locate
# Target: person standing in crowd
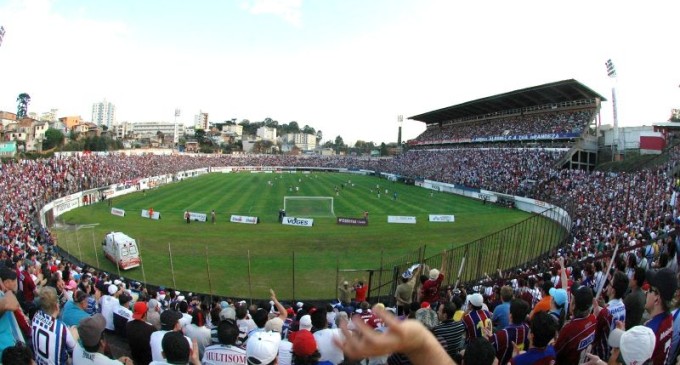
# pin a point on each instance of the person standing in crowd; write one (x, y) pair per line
(225, 352)
(431, 287)
(345, 294)
(360, 290)
(91, 346)
(478, 321)
(663, 284)
(52, 339)
(634, 301)
(403, 295)
(139, 334)
(543, 329)
(10, 332)
(501, 314)
(74, 309)
(515, 335)
(450, 333)
(576, 337)
(614, 311)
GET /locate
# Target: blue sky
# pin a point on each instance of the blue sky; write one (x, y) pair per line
(346, 67)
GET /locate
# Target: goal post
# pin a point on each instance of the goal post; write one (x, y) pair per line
(308, 206)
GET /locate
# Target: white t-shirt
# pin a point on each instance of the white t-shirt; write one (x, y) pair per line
(285, 352)
(156, 342)
(327, 349)
(82, 357)
(201, 335)
(224, 355)
(109, 304)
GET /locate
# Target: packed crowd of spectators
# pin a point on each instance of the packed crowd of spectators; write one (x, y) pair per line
(541, 123)
(636, 209)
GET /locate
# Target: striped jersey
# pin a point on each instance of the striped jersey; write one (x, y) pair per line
(52, 340)
(451, 335)
(534, 356)
(502, 341)
(575, 340)
(606, 322)
(475, 321)
(662, 325)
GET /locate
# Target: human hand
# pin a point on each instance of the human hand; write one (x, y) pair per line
(272, 294)
(594, 360)
(194, 360)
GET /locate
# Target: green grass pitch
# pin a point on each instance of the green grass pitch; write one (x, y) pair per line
(213, 258)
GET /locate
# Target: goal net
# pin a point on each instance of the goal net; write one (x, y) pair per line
(308, 206)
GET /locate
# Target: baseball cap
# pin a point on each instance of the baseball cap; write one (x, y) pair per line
(425, 305)
(306, 322)
(228, 313)
(139, 310)
(304, 344)
(559, 296)
(169, 318)
(636, 344)
(664, 280)
(434, 274)
(476, 300)
(90, 329)
(263, 348)
(274, 325)
(112, 289)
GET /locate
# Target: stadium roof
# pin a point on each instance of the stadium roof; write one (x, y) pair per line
(555, 92)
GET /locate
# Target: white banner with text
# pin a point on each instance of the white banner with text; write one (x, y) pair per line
(118, 212)
(302, 222)
(401, 219)
(442, 218)
(243, 219)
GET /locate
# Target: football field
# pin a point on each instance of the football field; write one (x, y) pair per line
(245, 260)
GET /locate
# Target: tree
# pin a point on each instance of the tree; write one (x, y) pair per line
(383, 149)
(53, 138)
(339, 144)
(22, 105)
(200, 135)
(308, 130)
(328, 144)
(293, 127)
(269, 122)
(319, 136)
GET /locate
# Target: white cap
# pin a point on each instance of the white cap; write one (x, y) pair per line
(306, 322)
(112, 289)
(636, 344)
(263, 347)
(476, 299)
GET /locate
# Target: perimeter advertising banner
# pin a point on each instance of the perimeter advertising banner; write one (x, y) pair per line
(352, 221)
(243, 219)
(442, 218)
(119, 212)
(401, 219)
(301, 222)
(200, 217)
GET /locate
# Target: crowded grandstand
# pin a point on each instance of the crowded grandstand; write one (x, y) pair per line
(524, 143)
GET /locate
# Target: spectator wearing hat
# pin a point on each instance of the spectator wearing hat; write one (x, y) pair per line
(52, 340)
(285, 347)
(225, 352)
(429, 291)
(227, 312)
(264, 348)
(663, 284)
(139, 334)
(75, 309)
(345, 293)
(91, 346)
(543, 329)
(305, 351)
(244, 322)
(10, 332)
(613, 312)
(169, 323)
(176, 350)
(403, 295)
(576, 336)
(515, 334)
(558, 306)
(478, 321)
(122, 314)
(109, 302)
(635, 346)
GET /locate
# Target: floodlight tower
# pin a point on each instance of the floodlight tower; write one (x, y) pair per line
(611, 72)
(175, 138)
(400, 122)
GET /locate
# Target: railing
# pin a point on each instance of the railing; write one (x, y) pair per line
(515, 246)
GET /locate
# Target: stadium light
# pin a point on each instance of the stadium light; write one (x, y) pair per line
(400, 122)
(611, 72)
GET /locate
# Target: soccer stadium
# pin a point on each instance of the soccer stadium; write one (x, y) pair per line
(492, 193)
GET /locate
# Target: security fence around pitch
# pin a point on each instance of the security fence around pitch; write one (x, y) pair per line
(515, 246)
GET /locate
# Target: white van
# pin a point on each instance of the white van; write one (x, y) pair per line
(122, 250)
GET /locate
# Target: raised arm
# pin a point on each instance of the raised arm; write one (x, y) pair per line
(279, 307)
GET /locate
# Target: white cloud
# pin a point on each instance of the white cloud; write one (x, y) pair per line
(288, 10)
